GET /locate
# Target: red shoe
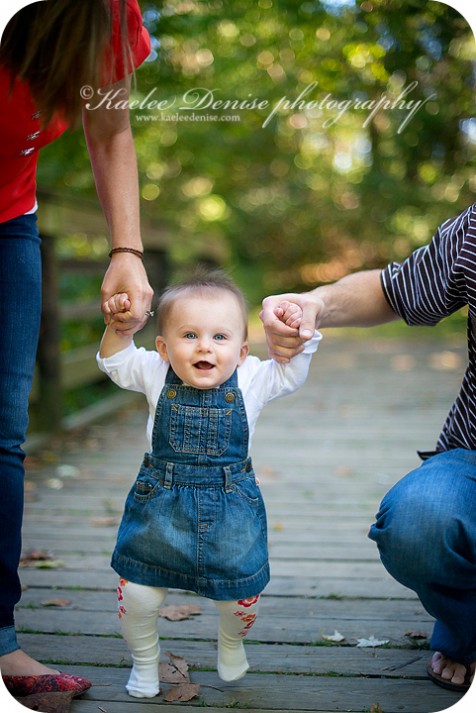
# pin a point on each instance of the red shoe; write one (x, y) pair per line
(20, 686)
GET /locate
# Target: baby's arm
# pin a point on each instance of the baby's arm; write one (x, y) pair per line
(113, 341)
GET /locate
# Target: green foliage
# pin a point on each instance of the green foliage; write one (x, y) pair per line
(292, 194)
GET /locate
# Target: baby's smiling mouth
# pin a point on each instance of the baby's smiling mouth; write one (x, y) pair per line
(204, 365)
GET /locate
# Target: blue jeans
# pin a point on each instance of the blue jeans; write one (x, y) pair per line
(426, 535)
(20, 307)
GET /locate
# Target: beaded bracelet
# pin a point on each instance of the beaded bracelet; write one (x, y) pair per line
(137, 253)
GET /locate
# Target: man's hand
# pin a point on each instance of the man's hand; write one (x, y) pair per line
(285, 341)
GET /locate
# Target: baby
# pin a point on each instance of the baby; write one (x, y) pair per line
(195, 518)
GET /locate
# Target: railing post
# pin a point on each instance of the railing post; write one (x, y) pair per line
(50, 392)
(157, 267)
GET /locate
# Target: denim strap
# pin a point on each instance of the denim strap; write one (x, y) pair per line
(168, 476)
(228, 479)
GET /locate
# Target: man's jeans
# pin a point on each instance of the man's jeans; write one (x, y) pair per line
(426, 534)
(20, 309)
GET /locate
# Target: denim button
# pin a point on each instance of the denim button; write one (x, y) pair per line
(171, 394)
(229, 397)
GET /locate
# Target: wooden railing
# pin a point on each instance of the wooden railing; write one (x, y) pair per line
(59, 371)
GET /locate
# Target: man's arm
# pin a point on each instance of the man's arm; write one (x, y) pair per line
(356, 300)
(113, 160)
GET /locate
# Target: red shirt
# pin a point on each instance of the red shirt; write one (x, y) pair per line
(21, 135)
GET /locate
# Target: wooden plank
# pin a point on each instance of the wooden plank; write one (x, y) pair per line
(289, 518)
(292, 607)
(130, 706)
(103, 542)
(282, 658)
(322, 570)
(291, 692)
(285, 585)
(307, 629)
(57, 210)
(91, 538)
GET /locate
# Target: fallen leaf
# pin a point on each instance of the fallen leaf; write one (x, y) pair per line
(179, 612)
(184, 692)
(277, 527)
(371, 642)
(336, 636)
(179, 662)
(375, 708)
(169, 674)
(176, 671)
(39, 558)
(416, 634)
(54, 483)
(343, 471)
(268, 472)
(58, 702)
(55, 602)
(67, 471)
(49, 564)
(35, 555)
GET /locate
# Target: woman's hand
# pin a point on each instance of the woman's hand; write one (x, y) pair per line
(126, 274)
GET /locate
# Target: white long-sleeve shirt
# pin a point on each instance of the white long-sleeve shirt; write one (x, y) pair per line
(142, 370)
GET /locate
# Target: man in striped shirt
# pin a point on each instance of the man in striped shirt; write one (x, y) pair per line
(426, 526)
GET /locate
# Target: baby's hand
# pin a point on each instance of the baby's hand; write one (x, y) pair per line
(289, 313)
(116, 304)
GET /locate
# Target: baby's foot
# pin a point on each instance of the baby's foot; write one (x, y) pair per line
(232, 661)
(449, 670)
(144, 681)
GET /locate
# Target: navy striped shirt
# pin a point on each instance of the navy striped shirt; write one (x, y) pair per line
(435, 281)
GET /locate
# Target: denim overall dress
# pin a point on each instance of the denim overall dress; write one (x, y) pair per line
(195, 518)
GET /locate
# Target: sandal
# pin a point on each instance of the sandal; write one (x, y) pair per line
(444, 683)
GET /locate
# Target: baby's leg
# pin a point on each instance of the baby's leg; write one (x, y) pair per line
(236, 619)
(138, 614)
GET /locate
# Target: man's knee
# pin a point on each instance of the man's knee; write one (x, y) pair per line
(411, 532)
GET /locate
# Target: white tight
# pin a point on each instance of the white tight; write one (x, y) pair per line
(138, 614)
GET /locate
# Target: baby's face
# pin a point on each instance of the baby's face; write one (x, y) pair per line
(203, 338)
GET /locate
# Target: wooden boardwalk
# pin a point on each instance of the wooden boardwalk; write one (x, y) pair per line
(325, 457)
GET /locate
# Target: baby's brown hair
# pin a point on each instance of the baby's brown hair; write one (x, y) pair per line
(201, 283)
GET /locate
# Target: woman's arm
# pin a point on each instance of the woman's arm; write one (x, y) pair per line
(113, 160)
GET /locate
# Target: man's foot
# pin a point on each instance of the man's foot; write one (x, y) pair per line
(450, 674)
(18, 663)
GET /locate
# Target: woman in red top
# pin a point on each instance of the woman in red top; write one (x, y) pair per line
(49, 50)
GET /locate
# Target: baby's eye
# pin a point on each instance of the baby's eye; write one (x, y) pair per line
(219, 337)
(190, 335)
